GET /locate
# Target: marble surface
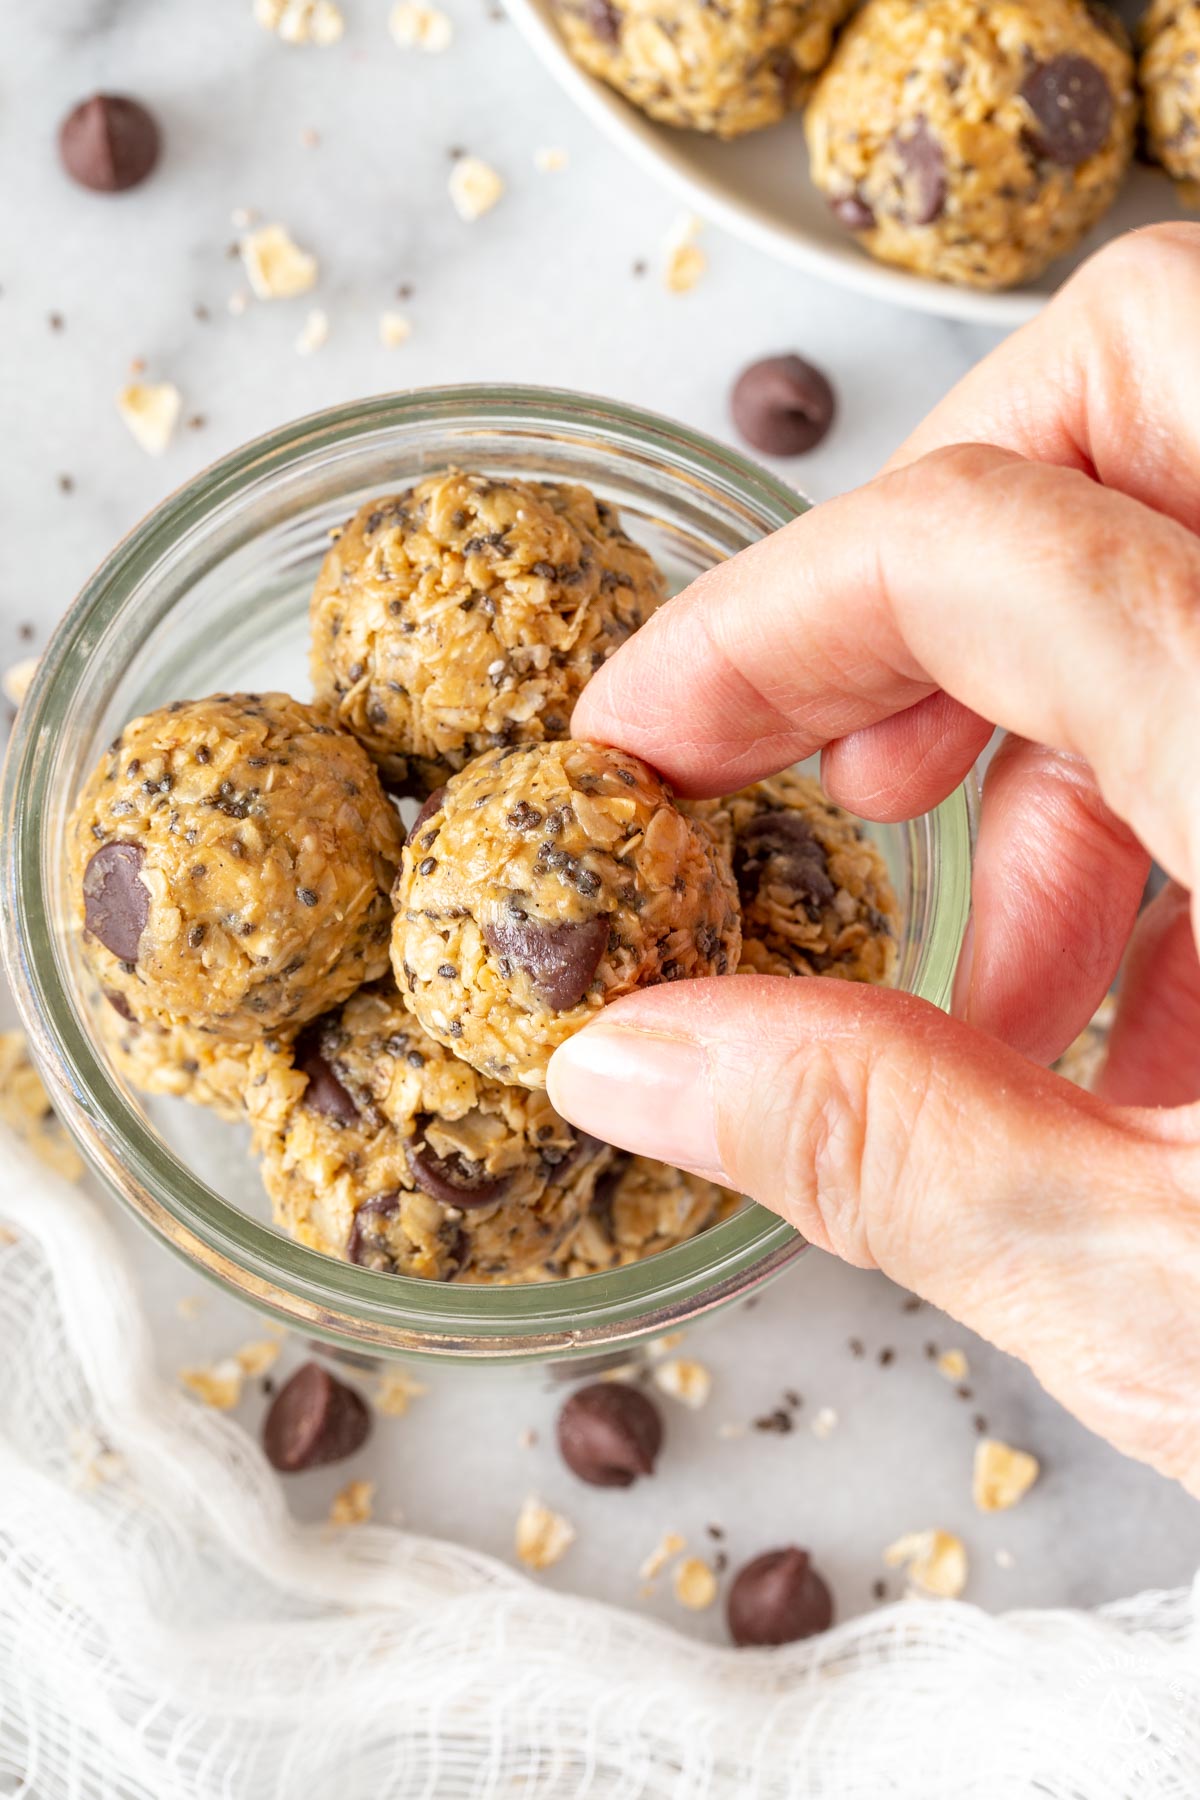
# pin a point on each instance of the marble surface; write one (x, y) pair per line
(543, 289)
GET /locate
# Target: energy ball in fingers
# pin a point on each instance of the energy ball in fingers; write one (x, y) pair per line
(974, 140)
(544, 882)
(381, 1148)
(231, 860)
(1170, 78)
(467, 613)
(724, 69)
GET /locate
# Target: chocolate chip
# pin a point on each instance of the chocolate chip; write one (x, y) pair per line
(116, 904)
(359, 1248)
(560, 959)
(1073, 106)
(778, 1598)
(609, 1434)
(120, 1005)
(923, 162)
(604, 21)
(428, 808)
(325, 1093)
(853, 212)
(778, 847)
(108, 143)
(314, 1419)
(454, 1180)
(782, 405)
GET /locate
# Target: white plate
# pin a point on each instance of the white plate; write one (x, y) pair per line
(758, 188)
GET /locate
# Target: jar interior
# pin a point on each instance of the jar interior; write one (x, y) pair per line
(216, 598)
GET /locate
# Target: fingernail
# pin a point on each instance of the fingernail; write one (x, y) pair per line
(641, 1090)
(961, 999)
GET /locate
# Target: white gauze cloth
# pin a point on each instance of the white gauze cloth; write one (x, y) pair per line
(172, 1634)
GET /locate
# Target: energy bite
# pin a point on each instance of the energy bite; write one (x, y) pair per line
(393, 1154)
(231, 859)
(815, 892)
(185, 1064)
(725, 69)
(974, 140)
(467, 613)
(543, 882)
(1170, 76)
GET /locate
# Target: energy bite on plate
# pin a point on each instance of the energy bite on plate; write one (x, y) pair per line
(391, 1153)
(543, 882)
(725, 69)
(232, 859)
(974, 140)
(815, 892)
(1170, 76)
(467, 613)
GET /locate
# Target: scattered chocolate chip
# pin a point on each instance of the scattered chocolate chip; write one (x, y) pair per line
(780, 1421)
(116, 903)
(560, 959)
(886, 1357)
(924, 167)
(325, 1093)
(1073, 107)
(314, 1419)
(609, 1434)
(717, 1532)
(429, 807)
(108, 143)
(778, 1598)
(853, 212)
(604, 21)
(931, 1351)
(912, 1303)
(454, 1180)
(782, 405)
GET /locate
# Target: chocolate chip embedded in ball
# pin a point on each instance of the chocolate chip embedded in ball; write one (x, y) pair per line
(1072, 105)
(116, 902)
(783, 405)
(325, 1093)
(778, 1598)
(609, 1434)
(109, 143)
(560, 958)
(924, 165)
(314, 1419)
(853, 212)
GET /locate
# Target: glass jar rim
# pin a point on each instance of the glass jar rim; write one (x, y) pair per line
(392, 1314)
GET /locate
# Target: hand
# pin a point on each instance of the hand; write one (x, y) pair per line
(1030, 558)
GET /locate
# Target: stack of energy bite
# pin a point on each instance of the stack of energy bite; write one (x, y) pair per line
(380, 1010)
(969, 140)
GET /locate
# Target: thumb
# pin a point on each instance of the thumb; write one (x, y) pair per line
(901, 1139)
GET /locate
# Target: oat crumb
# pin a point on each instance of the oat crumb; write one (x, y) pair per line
(527, 1439)
(548, 160)
(190, 1306)
(276, 267)
(414, 25)
(151, 411)
(665, 1345)
(317, 22)
(93, 1462)
(684, 260)
(1005, 1559)
(475, 188)
(953, 1365)
(218, 1386)
(542, 1537)
(936, 1562)
(731, 1428)
(654, 1564)
(695, 1584)
(17, 678)
(315, 332)
(684, 1380)
(237, 302)
(394, 330)
(256, 1358)
(354, 1504)
(396, 1392)
(1002, 1475)
(824, 1422)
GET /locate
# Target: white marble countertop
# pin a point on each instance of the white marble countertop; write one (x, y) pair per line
(543, 289)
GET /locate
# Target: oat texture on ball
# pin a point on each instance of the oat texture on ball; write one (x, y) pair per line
(815, 892)
(467, 613)
(974, 140)
(381, 1148)
(181, 1063)
(1170, 78)
(544, 882)
(725, 69)
(231, 860)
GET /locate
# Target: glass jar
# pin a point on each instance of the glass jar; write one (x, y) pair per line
(211, 592)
